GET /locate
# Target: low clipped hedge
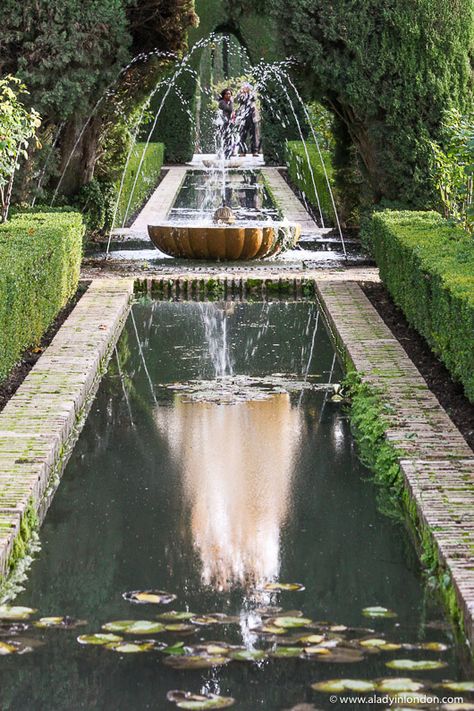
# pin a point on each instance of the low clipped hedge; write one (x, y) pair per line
(147, 180)
(40, 259)
(300, 175)
(427, 266)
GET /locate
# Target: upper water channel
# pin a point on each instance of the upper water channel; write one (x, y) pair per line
(215, 465)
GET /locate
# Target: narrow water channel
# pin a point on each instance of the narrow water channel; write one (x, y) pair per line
(214, 462)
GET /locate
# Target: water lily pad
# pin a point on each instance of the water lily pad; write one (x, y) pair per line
(415, 664)
(134, 626)
(341, 655)
(338, 628)
(373, 642)
(175, 649)
(153, 597)
(316, 650)
(248, 655)
(396, 684)
(199, 702)
(205, 620)
(176, 616)
(191, 661)
(312, 639)
(7, 648)
(283, 587)
(434, 646)
(58, 623)
(181, 627)
(99, 638)
(268, 610)
(131, 647)
(285, 652)
(14, 612)
(336, 686)
(290, 622)
(378, 611)
(270, 629)
(458, 686)
(211, 649)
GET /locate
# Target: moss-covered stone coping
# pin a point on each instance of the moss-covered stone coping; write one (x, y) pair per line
(41, 422)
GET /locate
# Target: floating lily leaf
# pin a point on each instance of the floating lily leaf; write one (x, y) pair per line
(7, 648)
(131, 647)
(270, 629)
(282, 587)
(338, 628)
(341, 655)
(99, 638)
(290, 622)
(458, 686)
(58, 623)
(13, 612)
(268, 610)
(434, 646)
(175, 649)
(180, 627)
(199, 702)
(205, 620)
(248, 655)
(415, 664)
(335, 686)
(176, 616)
(317, 650)
(394, 684)
(284, 652)
(134, 626)
(373, 642)
(211, 649)
(312, 639)
(154, 597)
(378, 612)
(224, 619)
(195, 661)
(391, 647)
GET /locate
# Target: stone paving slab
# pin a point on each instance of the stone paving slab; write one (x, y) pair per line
(292, 208)
(40, 422)
(435, 460)
(160, 203)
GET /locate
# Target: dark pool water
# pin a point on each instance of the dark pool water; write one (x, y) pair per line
(202, 193)
(168, 488)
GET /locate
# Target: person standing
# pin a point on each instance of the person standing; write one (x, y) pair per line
(226, 108)
(248, 119)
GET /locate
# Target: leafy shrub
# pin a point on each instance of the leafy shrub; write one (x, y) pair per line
(146, 183)
(300, 175)
(40, 258)
(427, 266)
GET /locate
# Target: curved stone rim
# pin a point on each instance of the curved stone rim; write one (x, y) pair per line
(224, 242)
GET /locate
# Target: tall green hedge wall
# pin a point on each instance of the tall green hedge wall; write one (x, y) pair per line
(300, 175)
(147, 180)
(427, 266)
(40, 259)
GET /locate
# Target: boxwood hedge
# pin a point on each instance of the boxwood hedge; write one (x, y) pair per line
(40, 258)
(427, 265)
(300, 175)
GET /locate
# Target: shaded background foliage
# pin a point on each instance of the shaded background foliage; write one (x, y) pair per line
(69, 53)
(387, 69)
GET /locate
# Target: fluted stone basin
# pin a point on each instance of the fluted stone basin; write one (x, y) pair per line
(223, 242)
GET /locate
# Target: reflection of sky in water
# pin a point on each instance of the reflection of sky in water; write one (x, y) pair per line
(237, 463)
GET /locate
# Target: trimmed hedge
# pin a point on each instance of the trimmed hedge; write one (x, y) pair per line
(147, 181)
(300, 175)
(427, 266)
(40, 259)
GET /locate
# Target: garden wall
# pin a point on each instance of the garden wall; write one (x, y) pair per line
(300, 175)
(427, 266)
(40, 259)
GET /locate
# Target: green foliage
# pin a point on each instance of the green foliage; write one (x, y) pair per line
(322, 122)
(454, 168)
(300, 175)
(97, 201)
(17, 126)
(427, 265)
(387, 69)
(40, 257)
(147, 180)
(175, 126)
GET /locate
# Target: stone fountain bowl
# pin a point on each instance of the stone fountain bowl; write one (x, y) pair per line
(223, 242)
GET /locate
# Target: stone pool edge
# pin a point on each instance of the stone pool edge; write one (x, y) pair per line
(410, 443)
(42, 421)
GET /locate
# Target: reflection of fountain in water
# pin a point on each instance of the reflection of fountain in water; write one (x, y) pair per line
(214, 319)
(237, 462)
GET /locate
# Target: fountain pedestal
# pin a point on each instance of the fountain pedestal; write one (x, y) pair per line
(223, 242)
